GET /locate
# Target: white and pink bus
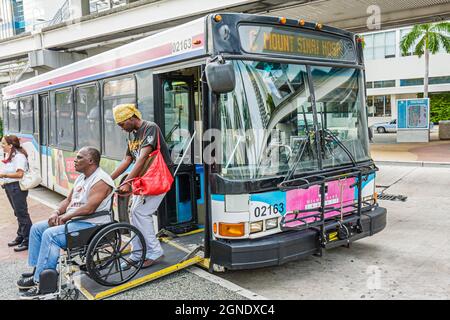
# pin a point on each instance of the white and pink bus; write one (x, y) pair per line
(267, 115)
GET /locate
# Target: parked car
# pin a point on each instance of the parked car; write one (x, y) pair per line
(383, 127)
(389, 126)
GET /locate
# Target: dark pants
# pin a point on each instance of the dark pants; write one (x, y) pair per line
(18, 200)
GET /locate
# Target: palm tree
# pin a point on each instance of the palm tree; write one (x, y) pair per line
(427, 38)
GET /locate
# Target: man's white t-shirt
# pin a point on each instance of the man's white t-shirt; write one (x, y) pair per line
(80, 195)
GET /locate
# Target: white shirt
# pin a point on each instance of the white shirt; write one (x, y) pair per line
(18, 162)
(80, 195)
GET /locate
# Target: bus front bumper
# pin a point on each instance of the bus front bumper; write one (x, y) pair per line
(283, 247)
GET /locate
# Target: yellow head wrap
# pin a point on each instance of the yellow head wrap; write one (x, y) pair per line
(124, 112)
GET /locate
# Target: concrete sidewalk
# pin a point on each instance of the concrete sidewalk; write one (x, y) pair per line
(386, 149)
(8, 225)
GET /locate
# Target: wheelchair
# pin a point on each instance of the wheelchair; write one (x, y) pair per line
(100, 251)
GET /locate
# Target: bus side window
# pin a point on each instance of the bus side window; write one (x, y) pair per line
(88, 117)
(52, 120)
(115, 92)
(14, 125)
(5, 117)
(26, 115)
(145, 94)
(64, 119)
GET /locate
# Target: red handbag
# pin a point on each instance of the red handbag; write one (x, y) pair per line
(157, 180)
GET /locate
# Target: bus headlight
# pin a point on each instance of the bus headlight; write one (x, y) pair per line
(256, 227)
(271, 223)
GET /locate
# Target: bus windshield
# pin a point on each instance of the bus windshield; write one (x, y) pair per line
(267, 122)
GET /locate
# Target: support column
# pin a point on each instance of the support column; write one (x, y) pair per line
(80, 8)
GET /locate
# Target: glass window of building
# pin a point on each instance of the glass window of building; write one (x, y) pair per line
(368, 47)
(411, 82)
(88, 117)
(378, 49)
(370, 107)
(379, 106)
(64, 119)
(115, 92)
(103, 5)
(379, 45)
(384, 84)
(439, 80)
(26, 115)
(403, 33)
(390, 45)
(18, 18)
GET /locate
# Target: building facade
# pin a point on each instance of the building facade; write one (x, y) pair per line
(391, 76)
(12, 18)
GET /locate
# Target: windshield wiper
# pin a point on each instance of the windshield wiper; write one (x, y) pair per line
(340, 144)
(301, 150)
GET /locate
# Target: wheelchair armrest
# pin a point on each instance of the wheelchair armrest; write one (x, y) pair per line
(86, 217)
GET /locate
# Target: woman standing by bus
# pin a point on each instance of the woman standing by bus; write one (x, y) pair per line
(15, 165)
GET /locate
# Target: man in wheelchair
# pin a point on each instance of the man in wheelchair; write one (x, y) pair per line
(92, 192)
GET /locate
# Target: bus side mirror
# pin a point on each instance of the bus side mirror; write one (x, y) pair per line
(220, 76)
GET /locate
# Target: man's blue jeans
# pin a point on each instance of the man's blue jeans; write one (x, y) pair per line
(46, 243)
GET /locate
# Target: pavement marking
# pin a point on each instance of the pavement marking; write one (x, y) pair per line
(226, 284)
(195, 270)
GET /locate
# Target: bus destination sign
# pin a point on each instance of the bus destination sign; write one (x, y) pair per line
(294, 42)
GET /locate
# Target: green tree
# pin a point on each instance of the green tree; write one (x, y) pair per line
(427, 38)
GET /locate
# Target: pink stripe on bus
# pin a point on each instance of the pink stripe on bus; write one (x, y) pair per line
(158, 52)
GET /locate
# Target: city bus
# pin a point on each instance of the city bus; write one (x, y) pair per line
(265, 115)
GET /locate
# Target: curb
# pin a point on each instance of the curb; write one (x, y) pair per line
(428, 164)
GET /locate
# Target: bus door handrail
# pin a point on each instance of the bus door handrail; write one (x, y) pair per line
(187, 147)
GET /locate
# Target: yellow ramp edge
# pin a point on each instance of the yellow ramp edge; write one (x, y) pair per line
(142, 280)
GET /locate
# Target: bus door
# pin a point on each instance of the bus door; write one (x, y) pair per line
(44, 151)
(178, 213)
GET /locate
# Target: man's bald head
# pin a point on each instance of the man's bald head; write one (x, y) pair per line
(93, 153)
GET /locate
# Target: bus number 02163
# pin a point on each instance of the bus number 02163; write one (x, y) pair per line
(263, 211)
(181, 45)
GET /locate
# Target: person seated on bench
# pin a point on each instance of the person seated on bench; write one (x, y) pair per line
(92, 192)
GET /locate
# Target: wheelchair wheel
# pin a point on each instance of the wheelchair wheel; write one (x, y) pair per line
(109, 249)
(69, 294)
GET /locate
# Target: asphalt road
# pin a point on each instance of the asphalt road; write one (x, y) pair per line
(409, 259)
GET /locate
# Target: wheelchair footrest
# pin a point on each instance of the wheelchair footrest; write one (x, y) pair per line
(48, 281)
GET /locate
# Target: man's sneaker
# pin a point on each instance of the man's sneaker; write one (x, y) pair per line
(26, 283)
(31, 294)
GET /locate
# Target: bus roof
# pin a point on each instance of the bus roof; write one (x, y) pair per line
(186, 41)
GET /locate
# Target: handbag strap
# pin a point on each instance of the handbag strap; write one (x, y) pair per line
(158, 146)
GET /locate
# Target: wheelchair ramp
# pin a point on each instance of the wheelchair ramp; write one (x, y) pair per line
(191, 243)
(175, 258)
